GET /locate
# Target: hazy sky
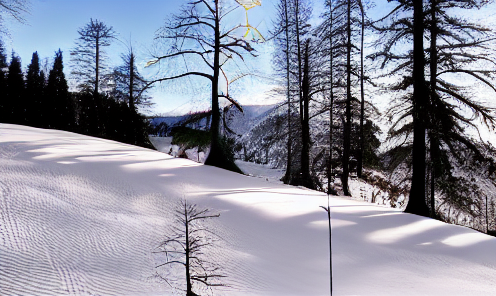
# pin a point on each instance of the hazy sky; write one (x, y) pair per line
(53, 24)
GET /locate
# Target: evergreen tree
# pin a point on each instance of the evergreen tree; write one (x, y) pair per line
(57, 94)
(461, 47)
(14, 105)
(35, 82)
(405, 24)
(456, 47)
(3, 82)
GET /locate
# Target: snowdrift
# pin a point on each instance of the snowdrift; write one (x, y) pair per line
(82, 216)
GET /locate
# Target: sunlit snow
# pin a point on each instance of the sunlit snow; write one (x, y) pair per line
(82, 216)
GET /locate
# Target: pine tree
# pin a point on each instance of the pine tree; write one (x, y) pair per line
(461, 47)
(58, 97)
(456, 46)
(35, 82)
(3, 82)
(14, 104)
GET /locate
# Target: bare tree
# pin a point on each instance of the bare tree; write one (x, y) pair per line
(130, 85)
(200, 31)
(89, 54)
(14, 9)
(186, 246)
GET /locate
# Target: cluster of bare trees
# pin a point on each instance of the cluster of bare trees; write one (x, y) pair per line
(322, 68)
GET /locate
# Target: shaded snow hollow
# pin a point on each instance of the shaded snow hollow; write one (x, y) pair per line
(82, 216)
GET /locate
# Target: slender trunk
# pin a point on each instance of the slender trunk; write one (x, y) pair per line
(215, 84)
(362, 98)
(433, 95)
(347, 124)
(487, 217)
(187, 253)
(215, 124)
(131, 82)
(416, 203)
(287, 177)
(331, 107)
(298, 45)
(305, 151)
(97, 65)
(100, 129)
(217, 156)
(330, 241)
(300, 80)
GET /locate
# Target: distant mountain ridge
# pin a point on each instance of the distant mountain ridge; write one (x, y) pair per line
(239, 122)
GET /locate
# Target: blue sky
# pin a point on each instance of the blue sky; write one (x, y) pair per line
(53, 24)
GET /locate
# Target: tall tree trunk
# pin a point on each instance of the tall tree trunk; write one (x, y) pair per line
(97, 65)
(287, 177)
(347, 124)
(433, 134)
(217, 156)
(416, 203)
(215, 85)
(131, 81)
(298, 45)
(330, 174)
(305, 126)
(362, 98)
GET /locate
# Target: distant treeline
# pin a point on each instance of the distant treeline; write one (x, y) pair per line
(43, 100)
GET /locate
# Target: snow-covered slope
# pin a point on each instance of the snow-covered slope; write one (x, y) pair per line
(82, 216)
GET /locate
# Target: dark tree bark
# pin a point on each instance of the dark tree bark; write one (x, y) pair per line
(288, 175)
(132, 75)
(434, 142)
(306, 179)
(417, 202)
(362, 96)
(347, 123)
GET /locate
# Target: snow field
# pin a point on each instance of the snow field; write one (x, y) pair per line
(82, 216)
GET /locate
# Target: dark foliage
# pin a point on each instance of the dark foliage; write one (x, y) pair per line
(59, 104)
(35, 84)
(13, 107)
(190, 138)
